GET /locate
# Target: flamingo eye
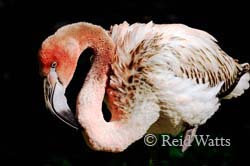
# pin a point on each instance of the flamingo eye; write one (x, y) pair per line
(53, 65)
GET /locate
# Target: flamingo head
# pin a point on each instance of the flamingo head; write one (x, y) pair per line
(58, 59)
(62, 52)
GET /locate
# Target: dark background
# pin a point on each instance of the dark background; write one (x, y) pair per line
(30, 135)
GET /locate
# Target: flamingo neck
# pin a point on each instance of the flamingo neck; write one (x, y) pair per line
(89, 102)
(116, 135)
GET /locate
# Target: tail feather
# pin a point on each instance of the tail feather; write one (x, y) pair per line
(243, 83)
(245, 67)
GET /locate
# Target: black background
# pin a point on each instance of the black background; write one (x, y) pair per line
(31, 136)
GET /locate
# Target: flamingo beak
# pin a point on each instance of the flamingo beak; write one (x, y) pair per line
(55, 99)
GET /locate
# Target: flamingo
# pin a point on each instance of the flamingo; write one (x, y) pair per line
(155, 78)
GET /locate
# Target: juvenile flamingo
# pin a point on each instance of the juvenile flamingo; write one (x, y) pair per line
(155, 79)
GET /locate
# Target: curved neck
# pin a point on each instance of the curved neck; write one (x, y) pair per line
(95, 37)
(112, 136)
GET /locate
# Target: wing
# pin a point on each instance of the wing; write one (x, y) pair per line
(199, 58)
(184, 67)
(196, 72)
(189, 53)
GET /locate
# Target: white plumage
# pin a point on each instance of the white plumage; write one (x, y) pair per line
(181, 68)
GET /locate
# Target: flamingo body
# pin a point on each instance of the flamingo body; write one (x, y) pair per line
(155, 78)
(183, 68)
